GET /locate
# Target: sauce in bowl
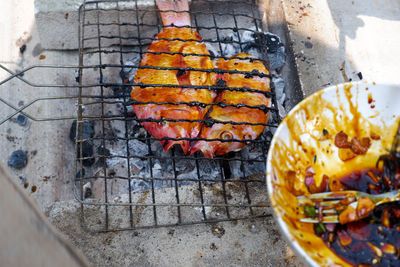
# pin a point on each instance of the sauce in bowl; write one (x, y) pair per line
(374, 240)
(305, 158)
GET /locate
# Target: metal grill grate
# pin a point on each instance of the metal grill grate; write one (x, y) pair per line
(124, 180)
(133, 183)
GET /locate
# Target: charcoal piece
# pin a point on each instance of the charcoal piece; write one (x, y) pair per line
(103, 153)
(78, 174)
(180, 73)
(138, 148)
(128, 72)
(184, 166)
(87, 130)
(221, 83)
(121, 91)
(138, 163)
(138, 185)
(255, 167)
(128, 108)
(87, 151)
(21, 120)
(212, 49)
(275, 48)
(230, 46)
(18, 159)
(87, 146)
(279, 86)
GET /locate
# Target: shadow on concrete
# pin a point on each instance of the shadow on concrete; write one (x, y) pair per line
(346, 15)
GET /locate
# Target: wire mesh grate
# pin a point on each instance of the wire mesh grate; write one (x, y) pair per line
(124, 179)
(128, 181)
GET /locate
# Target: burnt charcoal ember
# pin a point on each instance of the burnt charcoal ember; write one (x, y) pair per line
(121, 91)
(252, 42)
(184, 166)
(255, 164)
(255, 167)
(138, 164)
(103, 154)
(128, 108)
(18, 159)
(131, 65)
(21, 120)
(209, 169)
(138, 185)
(138, 148)
(230, 45)
(236, 169)
(275, 48)
(78, 174)
(143, 185)
(87, 152)
(87, 146)
(212, 49)
(87, 130)
(279, 86)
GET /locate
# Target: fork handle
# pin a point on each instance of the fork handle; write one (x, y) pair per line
(386, 197)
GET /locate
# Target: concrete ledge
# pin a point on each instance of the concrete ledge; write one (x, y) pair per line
(58, 24)
(58, 21)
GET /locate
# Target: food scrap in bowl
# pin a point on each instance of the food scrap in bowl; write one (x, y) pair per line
(366, 234)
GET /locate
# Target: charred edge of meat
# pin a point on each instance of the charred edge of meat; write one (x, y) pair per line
(209, 122)
(221, 83)
(180, 73)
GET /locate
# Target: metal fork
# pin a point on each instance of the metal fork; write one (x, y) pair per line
(391, 161)
(326, 201)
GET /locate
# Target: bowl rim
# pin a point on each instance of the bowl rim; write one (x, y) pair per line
(294, 245)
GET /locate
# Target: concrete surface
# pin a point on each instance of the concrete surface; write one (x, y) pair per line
(335, 40)
(57, 21)
(240, 243)
(48, 177)
(332, 40)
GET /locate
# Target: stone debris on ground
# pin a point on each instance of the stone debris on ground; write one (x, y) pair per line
(18, 159)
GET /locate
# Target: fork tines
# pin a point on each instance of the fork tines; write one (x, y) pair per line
(325, 219)
(328, 195)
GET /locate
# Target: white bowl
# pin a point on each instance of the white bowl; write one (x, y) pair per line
(359, 109)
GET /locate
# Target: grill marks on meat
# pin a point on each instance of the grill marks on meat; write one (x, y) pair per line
(236, 112)
(180, 48)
